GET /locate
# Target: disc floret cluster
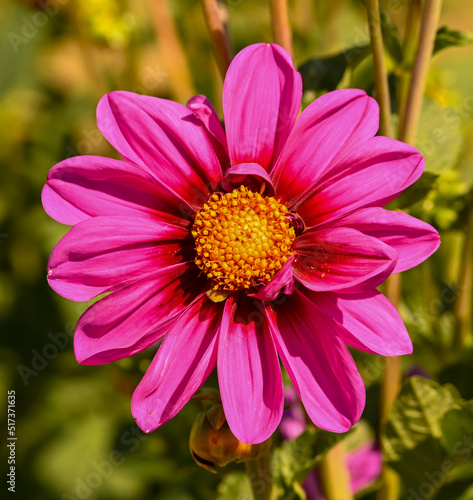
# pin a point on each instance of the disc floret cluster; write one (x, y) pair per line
(242, 239)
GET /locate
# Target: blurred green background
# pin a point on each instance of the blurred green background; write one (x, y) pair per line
(76, 435)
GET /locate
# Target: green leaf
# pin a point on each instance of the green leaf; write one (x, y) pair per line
(456, 491)
(439, 137)
(293, 460)
(457, 429)
(325, 73)
(457, 469)
(447, 37)
(235, 486)
(412, 434)
(415, 415)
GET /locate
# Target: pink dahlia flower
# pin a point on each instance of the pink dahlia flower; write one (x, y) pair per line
(237, 245)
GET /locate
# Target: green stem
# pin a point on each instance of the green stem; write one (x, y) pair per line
(380, 73)
(304, 17)
(334, 476)
(407, 132)
(218, 29)
(463, 304)
(409, 48)
(428, 29)
(392, 380)
(390, 387)
(281, 25)
(261, 477)
(329, 14)
(409, 43)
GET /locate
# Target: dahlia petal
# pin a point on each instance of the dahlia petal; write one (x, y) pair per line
(373, 175)
(261, 99)
(133, 318)
(249, 375)
(104, 252)
(183, 362)
(88, 186)
(244, 173)
(282, 279)
(329, 127)
(413, 239)
(164, 138)
(205, 112)
(318, 363)
(369, 321)
(341, 259)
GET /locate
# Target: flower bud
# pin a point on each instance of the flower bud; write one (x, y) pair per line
(212, 443)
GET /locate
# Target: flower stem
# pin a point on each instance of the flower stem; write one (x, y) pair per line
(463, 304)
(380, 73)
(409, 43)
(390, 387)
(428, 29)
(391, 382)
(334, 476)
(407, 132)
(409, 48)
(171, 50)
(281, 25)
(261, 477)
(215, 18)
(390, 485)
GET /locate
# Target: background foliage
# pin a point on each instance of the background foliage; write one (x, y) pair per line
(76, 436)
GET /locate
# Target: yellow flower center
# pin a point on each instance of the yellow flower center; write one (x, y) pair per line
(242, 239)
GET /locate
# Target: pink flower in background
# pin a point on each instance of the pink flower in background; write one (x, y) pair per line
(241, 246)
(293, 422)
(364, 463)
(364, 466)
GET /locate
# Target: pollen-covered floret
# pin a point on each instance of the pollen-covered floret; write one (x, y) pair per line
(242, 239)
